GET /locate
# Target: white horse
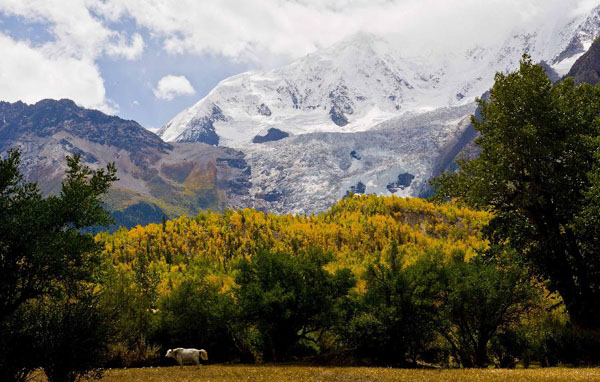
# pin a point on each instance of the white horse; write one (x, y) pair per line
(187, 356)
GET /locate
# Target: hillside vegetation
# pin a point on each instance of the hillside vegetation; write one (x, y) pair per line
(354, 230)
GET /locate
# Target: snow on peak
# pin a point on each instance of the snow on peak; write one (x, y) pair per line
(363, 80)
(347, 87)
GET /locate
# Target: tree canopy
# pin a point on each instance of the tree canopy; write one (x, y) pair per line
(538, 174)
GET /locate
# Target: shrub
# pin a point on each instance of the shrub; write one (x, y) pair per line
(71, 336)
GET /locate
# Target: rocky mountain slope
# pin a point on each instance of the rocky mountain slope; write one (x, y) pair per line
(305, 173)
(587, 67)
(156, 178)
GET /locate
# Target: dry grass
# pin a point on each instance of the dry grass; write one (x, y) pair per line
(325, 374)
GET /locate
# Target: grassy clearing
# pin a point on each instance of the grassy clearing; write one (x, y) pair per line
(324, 374)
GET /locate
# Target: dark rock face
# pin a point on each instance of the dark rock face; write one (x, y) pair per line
(587, 68)
(359, 188)
(355, 155)
(264, 110)
(294, 94)
(272, 135)
(203, 129)
(404, 180)
(341, 105)
(271, 196)
(239, 183)
(233, 162)
(338, 117)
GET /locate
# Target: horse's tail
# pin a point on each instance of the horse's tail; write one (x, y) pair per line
(203, 354)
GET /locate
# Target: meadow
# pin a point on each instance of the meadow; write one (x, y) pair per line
(235, 373)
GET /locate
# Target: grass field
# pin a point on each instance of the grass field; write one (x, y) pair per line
(324, 374)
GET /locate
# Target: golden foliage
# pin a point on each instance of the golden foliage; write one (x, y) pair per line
(354, 230)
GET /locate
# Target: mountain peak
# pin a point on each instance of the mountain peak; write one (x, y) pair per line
(21, 122)
(363, 42)
(63, 102)
(354, 50)
(333, 89)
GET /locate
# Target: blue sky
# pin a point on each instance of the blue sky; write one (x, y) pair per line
(149, 59)
(129, 84)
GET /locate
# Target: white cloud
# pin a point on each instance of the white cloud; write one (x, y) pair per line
(259, 30)
(63, 67)
(171, 86)
(30, 74)
(78, 32)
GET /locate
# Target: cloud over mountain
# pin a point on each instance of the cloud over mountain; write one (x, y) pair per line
(172, 86)
(79, 35)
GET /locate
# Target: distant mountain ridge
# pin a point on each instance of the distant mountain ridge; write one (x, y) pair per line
(49, 117)
(156, 178)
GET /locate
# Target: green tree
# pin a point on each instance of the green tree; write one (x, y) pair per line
(538, 173)
(290, 298)
(42, 242)
(393, 323)
(129, 310)
(479, 301)
(43, 245)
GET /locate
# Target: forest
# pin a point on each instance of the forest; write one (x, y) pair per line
(500, 268)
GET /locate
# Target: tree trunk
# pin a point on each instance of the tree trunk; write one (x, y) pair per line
(481, 357)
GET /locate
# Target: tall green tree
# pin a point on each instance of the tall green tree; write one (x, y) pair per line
(44, 249)
(394, 321)
(478, 301)
(538, 173)
(41, 239)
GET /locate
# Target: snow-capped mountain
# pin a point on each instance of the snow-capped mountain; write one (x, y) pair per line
(303, 125)
(361, 81)
(349, 87)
